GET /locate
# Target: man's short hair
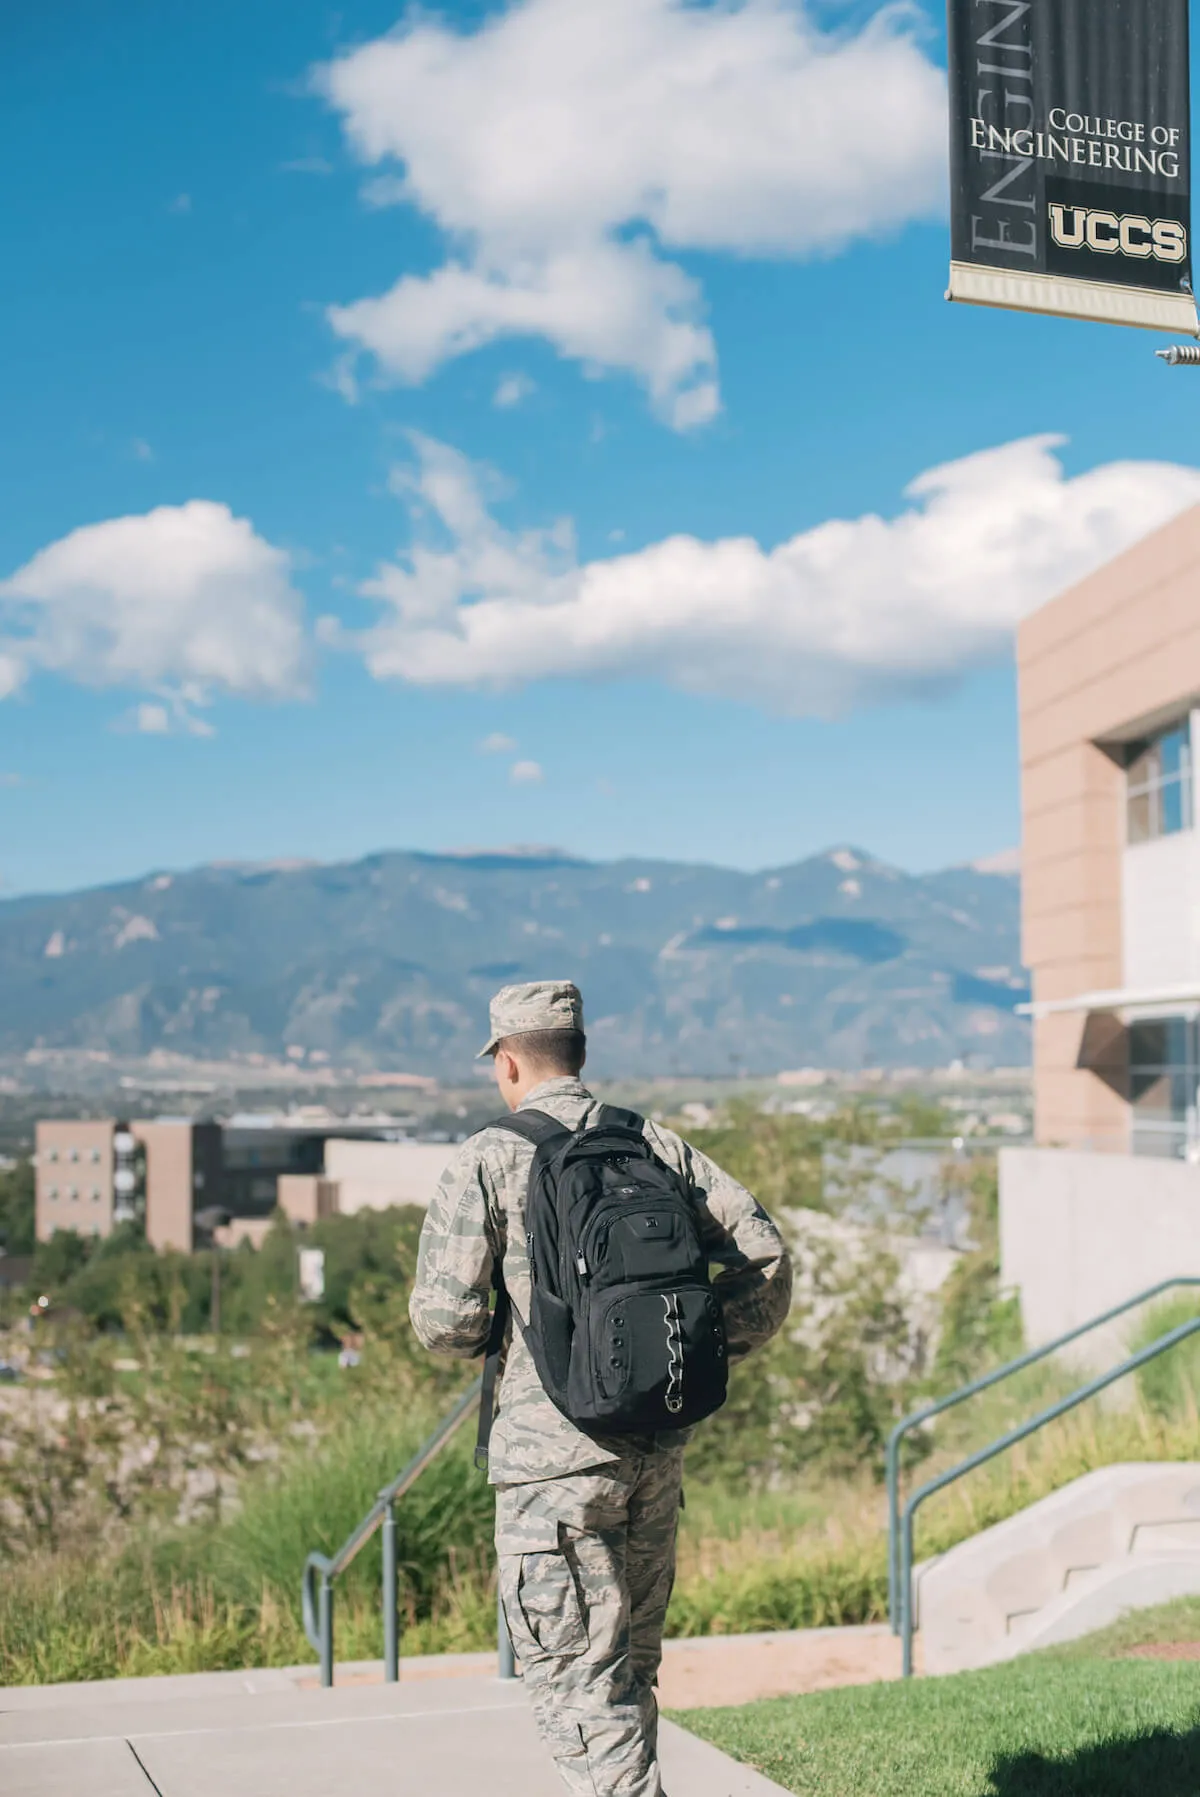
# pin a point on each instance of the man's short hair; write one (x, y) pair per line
(559, 1051)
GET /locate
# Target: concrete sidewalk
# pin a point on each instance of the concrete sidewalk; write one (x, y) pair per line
(256, 1734)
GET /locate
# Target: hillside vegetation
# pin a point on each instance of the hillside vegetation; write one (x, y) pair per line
(160, 1486)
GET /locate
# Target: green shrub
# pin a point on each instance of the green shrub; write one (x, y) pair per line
(322, 1492)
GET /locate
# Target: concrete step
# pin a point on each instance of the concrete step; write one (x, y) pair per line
(450, 1737)
(1114, 1540)
(1098, 1598)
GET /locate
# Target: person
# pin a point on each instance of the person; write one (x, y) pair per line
(585, 1524)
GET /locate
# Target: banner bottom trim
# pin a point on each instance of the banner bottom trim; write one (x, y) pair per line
(1096, 301)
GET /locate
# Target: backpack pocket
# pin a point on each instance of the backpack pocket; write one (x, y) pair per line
(658, 1356)
(552, 1328)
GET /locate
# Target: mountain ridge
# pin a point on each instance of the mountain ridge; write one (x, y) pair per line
(388, 961)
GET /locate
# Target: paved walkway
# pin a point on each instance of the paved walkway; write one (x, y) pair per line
(448, 1729)
(262, 1735)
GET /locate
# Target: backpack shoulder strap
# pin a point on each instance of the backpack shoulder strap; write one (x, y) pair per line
(537, 1128)
(612, 1116)
(534, 1126)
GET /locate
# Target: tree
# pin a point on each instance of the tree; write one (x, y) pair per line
(17, 1209)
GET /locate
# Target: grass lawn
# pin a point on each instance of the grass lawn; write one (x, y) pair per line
(1045, 1726)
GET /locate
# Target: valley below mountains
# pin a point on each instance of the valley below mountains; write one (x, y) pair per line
(838, 961)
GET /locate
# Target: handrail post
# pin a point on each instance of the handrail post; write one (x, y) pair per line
(906, 1594)
(391, 1613)
(325, 1628)
(504, 1647)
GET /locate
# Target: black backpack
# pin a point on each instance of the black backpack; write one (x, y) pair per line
(624, 1326)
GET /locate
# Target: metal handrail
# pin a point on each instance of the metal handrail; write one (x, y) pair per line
(1080, 1396)
(318, 1609)
(916, 1417)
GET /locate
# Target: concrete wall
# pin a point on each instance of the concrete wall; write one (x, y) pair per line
(1113, 656)
(1161, 904)
(73, 1177)
(376, 1175)
(1080, 1233)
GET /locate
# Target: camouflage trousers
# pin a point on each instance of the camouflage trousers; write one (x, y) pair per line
(586, 1567)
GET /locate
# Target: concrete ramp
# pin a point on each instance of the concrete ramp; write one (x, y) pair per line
(1121, 1538)
(258, 1735)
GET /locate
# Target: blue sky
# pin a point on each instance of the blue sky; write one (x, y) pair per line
(194, 205)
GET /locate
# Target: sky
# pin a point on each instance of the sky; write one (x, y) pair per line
(527, 423)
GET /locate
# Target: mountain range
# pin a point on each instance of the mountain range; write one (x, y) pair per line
(837, 961)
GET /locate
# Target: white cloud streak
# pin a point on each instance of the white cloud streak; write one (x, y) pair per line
(851, 612)
(512, 389)
(563, 146)
(526, 773)
(186, 601)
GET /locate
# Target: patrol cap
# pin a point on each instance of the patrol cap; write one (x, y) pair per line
(536, 1005)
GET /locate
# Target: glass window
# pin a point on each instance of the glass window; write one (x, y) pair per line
(1158, 784)
(1164, 1068)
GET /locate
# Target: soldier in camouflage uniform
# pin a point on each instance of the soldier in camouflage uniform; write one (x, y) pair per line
(585, 1525)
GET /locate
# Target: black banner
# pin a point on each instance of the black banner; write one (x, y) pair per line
(1070, 159)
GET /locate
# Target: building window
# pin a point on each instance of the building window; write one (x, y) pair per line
(1158, 784)
(1164, 1070)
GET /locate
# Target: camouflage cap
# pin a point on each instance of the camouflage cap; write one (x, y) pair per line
(537, 1005)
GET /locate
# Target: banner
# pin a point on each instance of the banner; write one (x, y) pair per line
(1070, 160)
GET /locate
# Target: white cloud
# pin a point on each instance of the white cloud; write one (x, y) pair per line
(141, 450)
(563, 146)
(853, 611)
(526, 773)
(181, 203)
(497, 744)
(153, 720)
(512, 389)
(186, 601)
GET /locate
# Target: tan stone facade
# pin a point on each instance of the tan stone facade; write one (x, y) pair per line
(1100, 667)
(73, 1177)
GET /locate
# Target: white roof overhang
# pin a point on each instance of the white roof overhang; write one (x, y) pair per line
(1131, 1004)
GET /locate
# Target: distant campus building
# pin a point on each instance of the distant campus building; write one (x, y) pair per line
(92, 1175)
(1109, 1199)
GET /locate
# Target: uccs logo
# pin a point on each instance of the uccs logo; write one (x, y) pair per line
(1079, 227)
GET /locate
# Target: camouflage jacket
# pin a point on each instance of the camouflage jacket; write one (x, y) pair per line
(478, 1212)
